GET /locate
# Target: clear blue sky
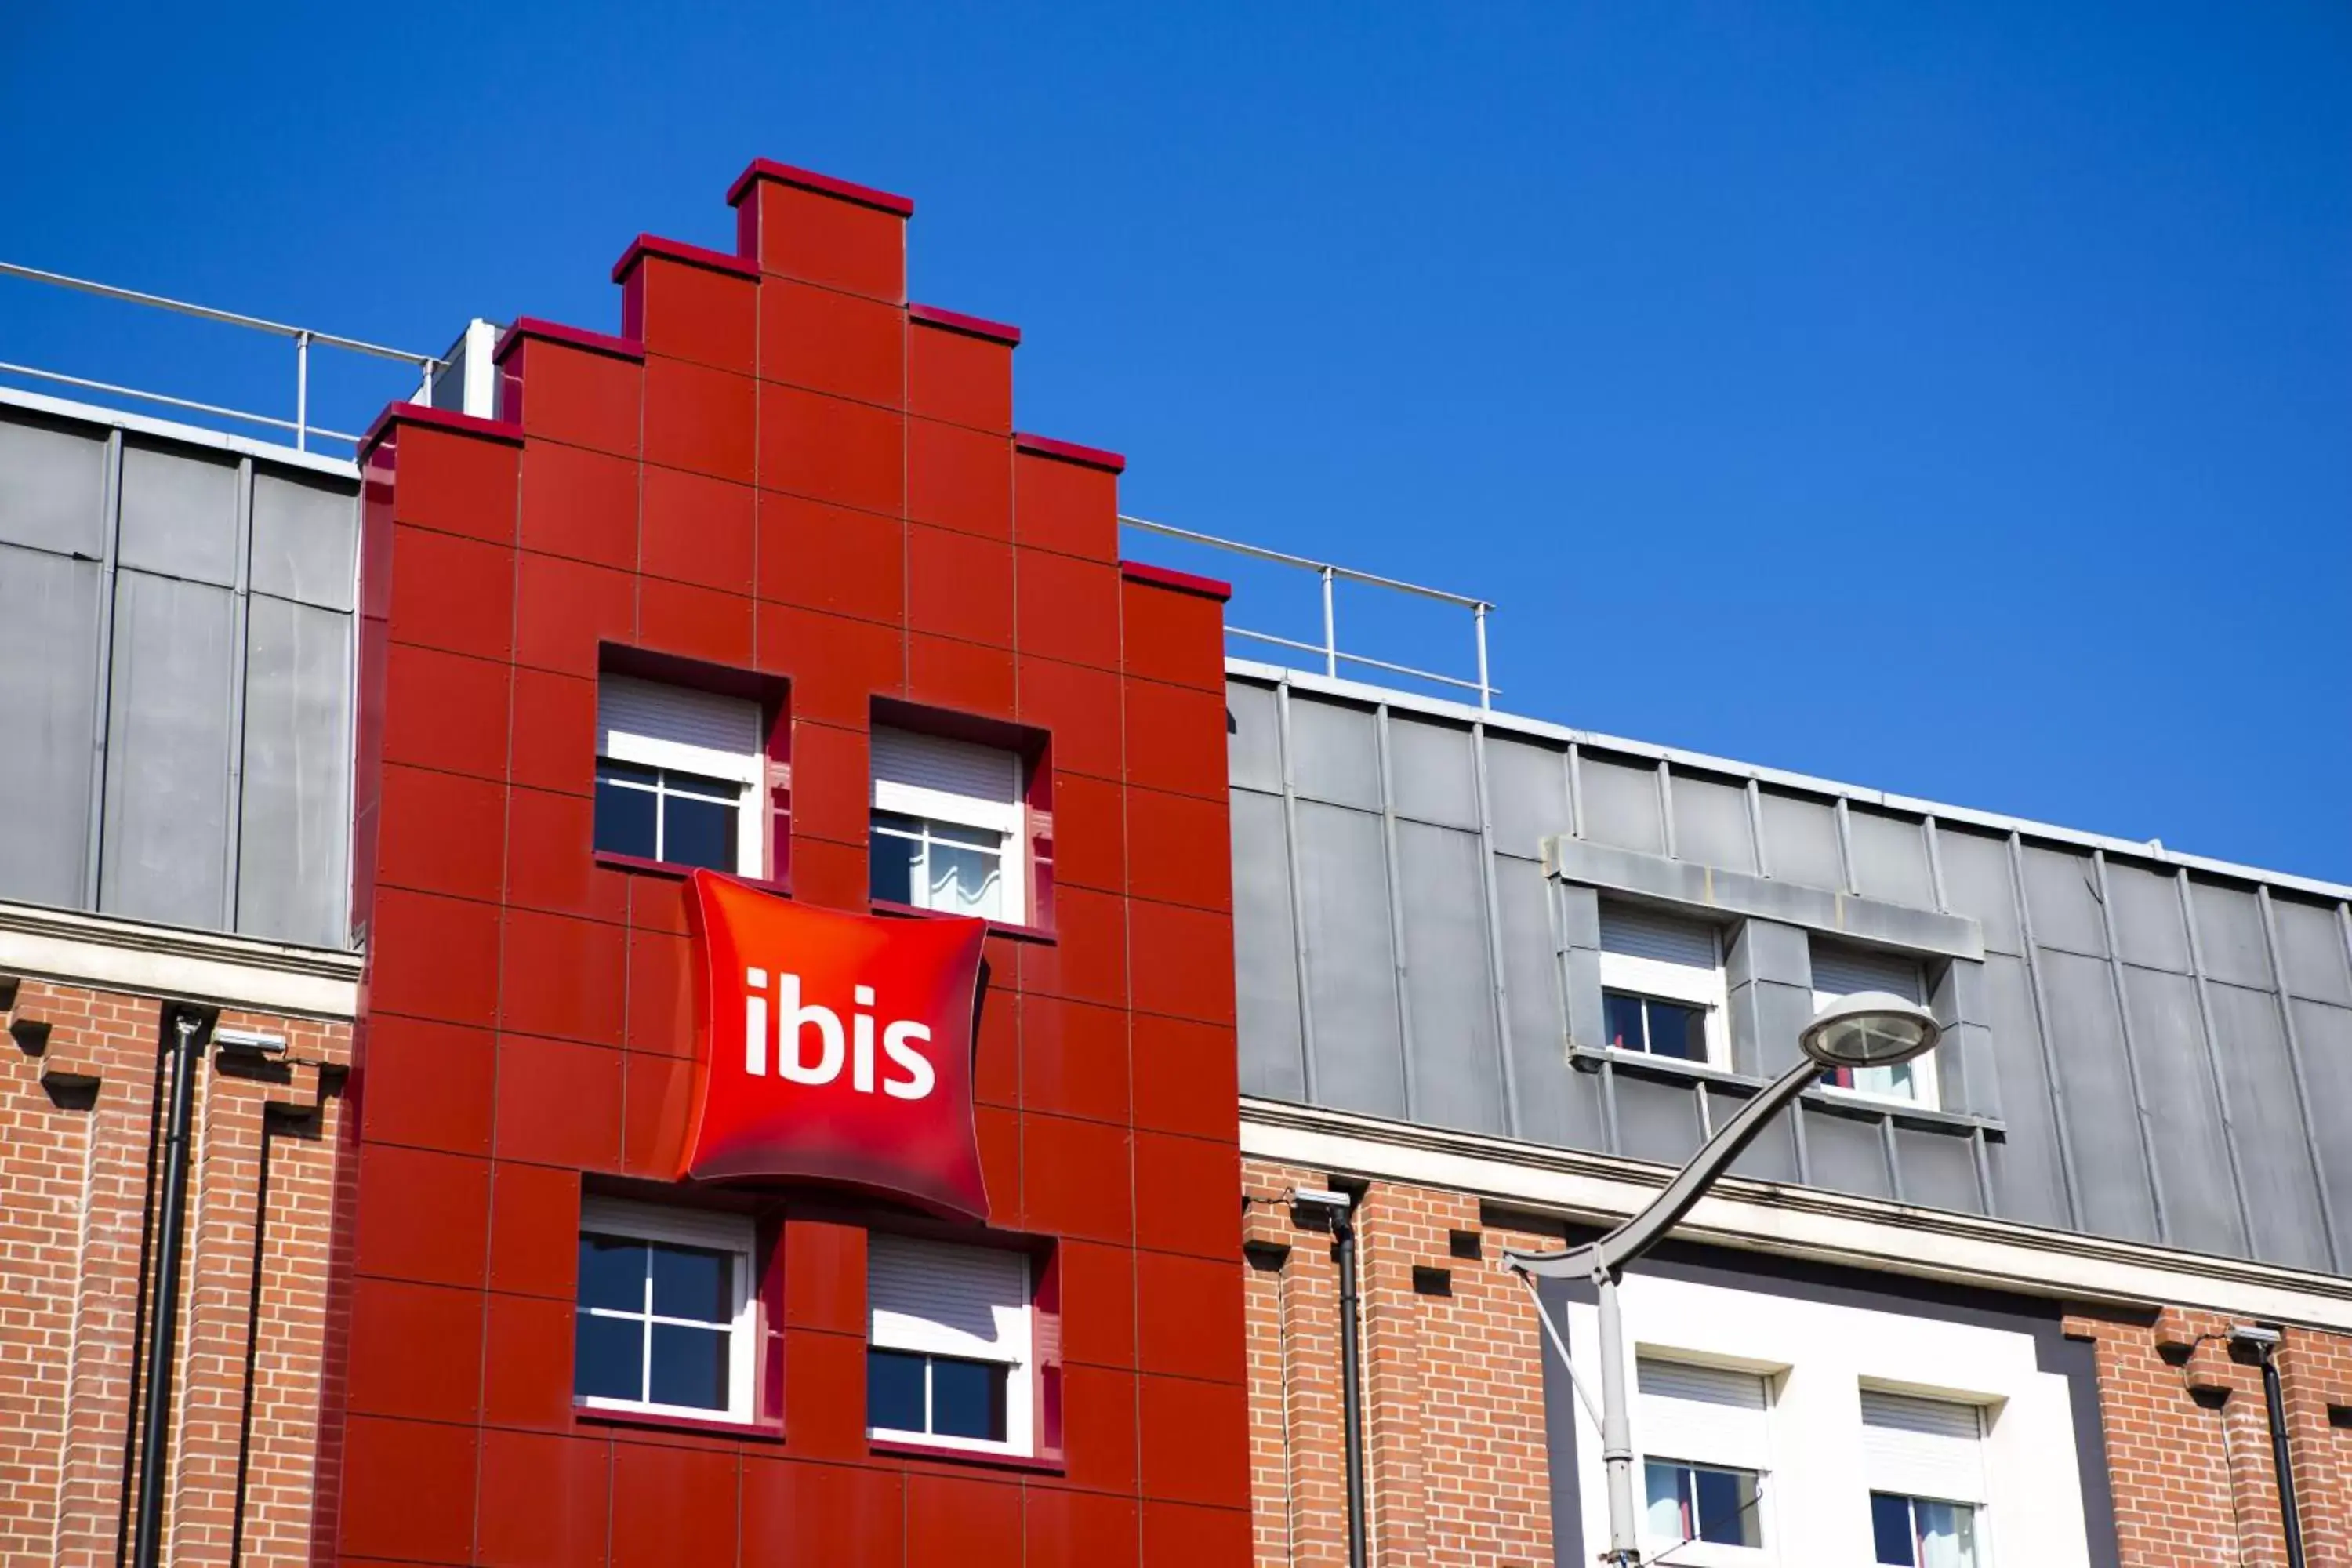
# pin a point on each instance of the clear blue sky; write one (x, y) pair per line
(1955, 399)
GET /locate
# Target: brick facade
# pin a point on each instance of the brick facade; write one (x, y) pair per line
(78, 1083)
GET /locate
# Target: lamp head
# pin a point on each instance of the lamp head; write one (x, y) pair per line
(1869, 1029)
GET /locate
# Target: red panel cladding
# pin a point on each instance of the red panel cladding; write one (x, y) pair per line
(661, 993)
(960, 479)
(564, 608)
(830, 875)
(831, 783)
(416, 1351)
(559, 1103)
(550, 863)
(824, 340)
(452, 593)
(1068, 507)
(1178, 1535)
(573, 396)
(959, 585)
(1196, 1437)
(831, 449)
(1183, 961)
(799, 1515)
(562, 977)
(551, 1498)
(697, 530)
(824, 1275)
(672, 1507)
(1174, 636)
(1191, 857)
(656, 1106)
(695, 623)
(1083, 1529)
(1080, 708)
(443, 711)
(456, 483)
(527, 1366)
(971, 1522)
(996, 1049)
(1073, 1059)
(684, 309)
(824, 237)
(1075, 1178)
(1097, 1304)
(1188, 1306)
(961, 377)
(825, 1393)
(837, 665)
(579, 503)
(1087, 962)
(1089, 839)
(832, 558)
(535, 1232)
(1185, 1077)
(554, 733)
(964, 677)
(410, 1493)
(1069, 609)
(428, 1085)
(422, 1216)
(1176, 739)
(698, 418)
(1183, 1200)
(1098, 1427)
(433, 957)
(441, 832)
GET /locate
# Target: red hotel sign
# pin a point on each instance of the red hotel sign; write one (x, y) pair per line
(835, 1048)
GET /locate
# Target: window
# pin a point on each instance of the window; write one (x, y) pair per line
(947, 1357)
(665, 1311)
(1661, 986)
(1840, 970)
(1711, 1421)
(678, 775)
(1922, 1459)
(948, 826)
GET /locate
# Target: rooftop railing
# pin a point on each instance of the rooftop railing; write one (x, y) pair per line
(1328, 651)
(304, 340)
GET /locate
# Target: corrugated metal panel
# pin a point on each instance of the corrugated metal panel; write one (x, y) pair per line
(946, 1300)
(48, 669)
(1648, 933)
(166, 837)
(52, 486)
(1841, 970)
(292, 853)
(1922, 1448)
(1450, 985)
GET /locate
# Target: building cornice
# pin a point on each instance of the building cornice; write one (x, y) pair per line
(112, 954)
(1799, 1222)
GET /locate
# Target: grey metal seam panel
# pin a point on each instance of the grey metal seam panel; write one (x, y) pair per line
(1297, 891)
(1935, 865)
(1755, 793)
(1666, 808)
(1852, 883)
(240, 668)
(1396, 916)
(2214, 1057)
(2056, 1093)
(2296, 1068)
(1575, 789)
(1495, 934)
(94, 853)
(2132, 1068)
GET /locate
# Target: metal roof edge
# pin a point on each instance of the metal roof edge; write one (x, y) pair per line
(193, 434)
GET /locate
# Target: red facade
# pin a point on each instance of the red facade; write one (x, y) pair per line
(783, 481)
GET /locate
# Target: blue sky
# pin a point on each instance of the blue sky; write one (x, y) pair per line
(1953, 399)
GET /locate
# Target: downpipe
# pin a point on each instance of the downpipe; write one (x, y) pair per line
(2290, 1519)
(163, 1332)
(1351, 1373)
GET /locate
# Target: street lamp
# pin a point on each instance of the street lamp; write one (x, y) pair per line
(1866, 1030)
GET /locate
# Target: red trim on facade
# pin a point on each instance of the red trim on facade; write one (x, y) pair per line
(440, 419)
(646, 245)
(809, 179)
(571, 337)
(995, 928)
(902, 1448)
(764, 1431)
(1069, 451)
(1182, 582)
(957, 322)
(637, 865)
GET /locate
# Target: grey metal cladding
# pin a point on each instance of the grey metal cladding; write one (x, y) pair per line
(1656, 1121)
(48, 674)
(2061, 885)
(1773, 1156)
(1266, 962)
(1527, 791)
(52, 486)
(178, 514)
(1431, 772)
(2325, 1035)
(1555, 1106)
(2229, 930)
(2148, 918)
(2191, 1144)
(294, 835)
(166, 826)
(1449, 983)
(1335, 755)
(1890, 859)
(1845, 1154)
(2312, 950)
(1621, 803)
(2274, 1154)
(2028, 1177)
(1938, 1170)
(2102, 1123)
(1977, 884)
(1711, 822)
(1253, 737)
(305, 537)
(1800, 841)
(1350, 960)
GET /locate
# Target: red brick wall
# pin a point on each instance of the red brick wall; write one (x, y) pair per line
(75, 1120)
(784, 472)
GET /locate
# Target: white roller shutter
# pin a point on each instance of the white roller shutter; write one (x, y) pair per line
(1705, 1415)
(944, 1300)
(1922, 1448)
(1843, 970)
(946, 767)
(1665, 939)
(659, 726)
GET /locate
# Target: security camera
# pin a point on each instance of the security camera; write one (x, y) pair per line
(251, 1040)
(2255, 1336)
(1328, 1202)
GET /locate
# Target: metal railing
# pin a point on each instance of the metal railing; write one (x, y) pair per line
(304, 338)
(1332, 655)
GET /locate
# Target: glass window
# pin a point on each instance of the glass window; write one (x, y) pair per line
(679, 774)
(936, 1396)
(1663, 986)
(1702, 1502)
(1652, 1025)
(939, 866)
(1918, 1533)
(948, 1350)
(656, 814)
(661, 1322)
(948, 825)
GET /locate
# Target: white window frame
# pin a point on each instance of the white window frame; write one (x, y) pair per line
(1007, 818)
(1014, 1350)
(1925, 1092)
(747, 769)
(731, 1233)
(1683, 983)
(1705, 1434)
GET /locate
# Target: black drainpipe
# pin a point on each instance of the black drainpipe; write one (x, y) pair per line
(155, 1420)
(1336, 1208)
(2280, 1460)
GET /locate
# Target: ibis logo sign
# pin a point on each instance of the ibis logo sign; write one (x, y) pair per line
(835, 1048)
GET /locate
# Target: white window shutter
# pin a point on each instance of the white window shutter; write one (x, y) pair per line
(1665, 939)
(940, 1298)
(976, 773)
(1922, 1448)
(678, 727)
(1705, 1415)
(1843, 970)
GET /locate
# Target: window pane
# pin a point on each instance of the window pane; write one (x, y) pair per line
(693, 1282)
(1890, 1527)
(1677, 1031)
(1727, 1508)
(894, 860)
(962, 881)
(894, 1391)
(726, 792)
(977, 837)
(1622, 1017)
(968, 1399)
(689, 1367)
(625, 817)
(612, 1273)
(1947, 1534)
(1664, 1517)
(608, 1357)
(699, 833)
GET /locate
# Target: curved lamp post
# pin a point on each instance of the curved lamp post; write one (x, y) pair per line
(1866, 1030)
